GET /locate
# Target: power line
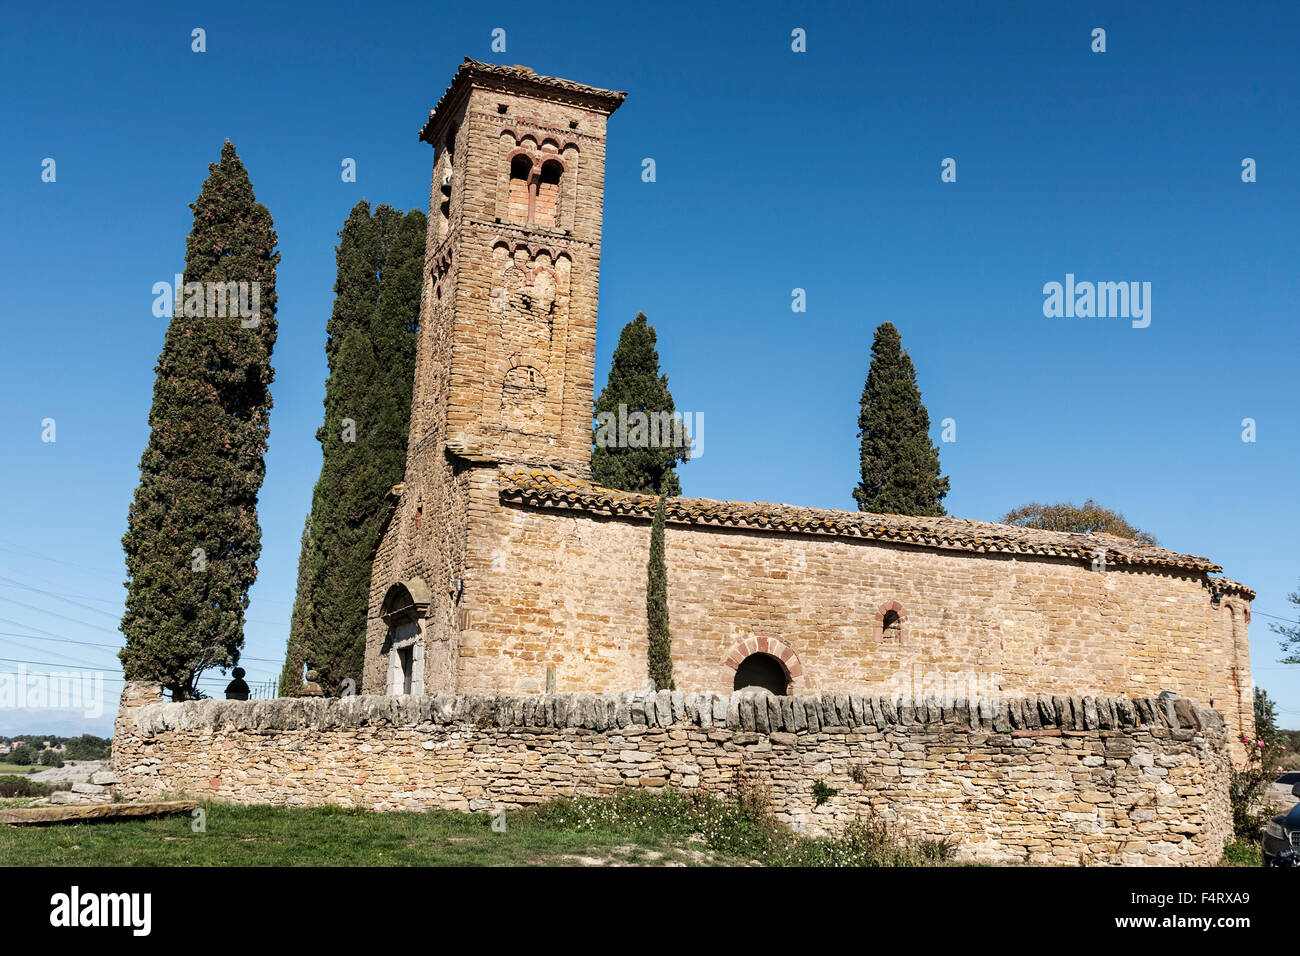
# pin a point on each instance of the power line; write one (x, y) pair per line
(4, 546)
(47, 650)
(94, 610)
(30, 627)
(48, 613)
(16, 660)
(14, 583)
(52, 636)
(215, 678)
(1285, 620)
(65, 640)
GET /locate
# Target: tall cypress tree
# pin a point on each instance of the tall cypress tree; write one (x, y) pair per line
(371, 355)
(659, 650)
(193, 538)
(632, 452)
(295, 655)
(900, 465)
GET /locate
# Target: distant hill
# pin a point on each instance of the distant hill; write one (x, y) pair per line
(55, 723)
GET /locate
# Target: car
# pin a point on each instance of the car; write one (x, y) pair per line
(1281, 843)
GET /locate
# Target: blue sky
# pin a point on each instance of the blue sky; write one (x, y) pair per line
(775, 170)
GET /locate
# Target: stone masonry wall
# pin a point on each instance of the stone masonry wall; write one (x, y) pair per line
(1046, 779)
(565, 589)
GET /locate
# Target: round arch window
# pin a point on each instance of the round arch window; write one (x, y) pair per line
(762, 670)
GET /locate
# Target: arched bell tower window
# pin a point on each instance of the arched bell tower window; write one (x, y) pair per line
(534, 194)
(547, 206)
(521, 189)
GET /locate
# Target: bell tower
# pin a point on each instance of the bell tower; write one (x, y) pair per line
(506, 348)
(508, 320)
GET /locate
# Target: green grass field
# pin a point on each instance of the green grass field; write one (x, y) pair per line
(13, 768)
(636, 828)
(330, 836)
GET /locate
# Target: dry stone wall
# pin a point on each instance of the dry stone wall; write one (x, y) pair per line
(1046, 779)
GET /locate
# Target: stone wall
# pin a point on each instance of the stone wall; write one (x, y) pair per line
(1046, 779)
(549, 588)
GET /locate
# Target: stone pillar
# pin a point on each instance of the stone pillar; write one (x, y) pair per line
(135, 694)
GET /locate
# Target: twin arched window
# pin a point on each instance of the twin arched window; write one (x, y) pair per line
(535, 192)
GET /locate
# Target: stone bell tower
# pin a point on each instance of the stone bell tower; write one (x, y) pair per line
(506, 352)
(513, 255)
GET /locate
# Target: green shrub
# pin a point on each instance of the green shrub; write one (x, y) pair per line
(1249, 786)
(821, 792)
(1238, 853)
(12, 786)
(869, 842)
(741, 823)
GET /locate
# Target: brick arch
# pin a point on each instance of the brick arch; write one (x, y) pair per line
(762, 644)
(880, 620)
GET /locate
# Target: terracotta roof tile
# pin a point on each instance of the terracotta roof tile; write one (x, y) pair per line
(1229, 586)
(548, 489)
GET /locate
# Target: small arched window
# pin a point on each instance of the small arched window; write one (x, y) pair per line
(546, 212)
(891, 619)
(521, 169)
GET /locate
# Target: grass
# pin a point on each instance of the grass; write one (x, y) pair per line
(668, 827)
(324, 836)
(1242, 853)
(14, 768)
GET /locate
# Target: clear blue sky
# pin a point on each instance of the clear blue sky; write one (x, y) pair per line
(776, 170)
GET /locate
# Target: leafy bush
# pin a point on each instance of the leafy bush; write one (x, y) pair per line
(1251, 808)
(12, 786)
(870, 842)
(1067, 516)
(821, 792)
(87, 747)
(741, 823)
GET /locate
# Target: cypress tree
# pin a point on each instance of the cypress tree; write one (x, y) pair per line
(636, 387)
(900, 465)
(659, 652)
(295, 655)
(193, 538)
(371, 355)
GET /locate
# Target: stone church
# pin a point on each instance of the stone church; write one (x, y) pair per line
(503, 569)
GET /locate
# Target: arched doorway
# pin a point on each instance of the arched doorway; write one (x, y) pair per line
(762, 670)
(406, 604)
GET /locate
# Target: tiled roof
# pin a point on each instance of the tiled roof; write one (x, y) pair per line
(548, 489)
(1229, 586)
(471, 70)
